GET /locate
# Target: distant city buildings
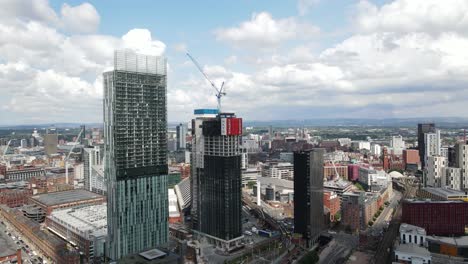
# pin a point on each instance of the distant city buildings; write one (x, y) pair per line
(135, 127)
(308, 194)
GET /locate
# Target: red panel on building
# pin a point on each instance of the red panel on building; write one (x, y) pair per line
(234, 126)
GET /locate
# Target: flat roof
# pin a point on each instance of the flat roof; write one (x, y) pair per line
(445, 192)
(156, 258)
(152, 254)
(458, 241)
(7, 245)
(86, 220)
(413, 249)
(64, 197)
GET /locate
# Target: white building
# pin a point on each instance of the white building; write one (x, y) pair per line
(376, 149)
(452, 178)
(280, 170)
(412, 234)
(344, 141)
(398, 145)
(434, 171)
(461, 152)
(370, 176)
(410, 253)
(432, 141)
(412, 247)
(362, 145)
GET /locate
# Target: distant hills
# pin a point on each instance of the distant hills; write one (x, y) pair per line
(452, 122)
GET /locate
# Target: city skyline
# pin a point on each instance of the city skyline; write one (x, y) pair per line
(285, 60)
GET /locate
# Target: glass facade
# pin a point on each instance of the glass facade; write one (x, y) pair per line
(308, 194)
(216, 179)
(135, 124)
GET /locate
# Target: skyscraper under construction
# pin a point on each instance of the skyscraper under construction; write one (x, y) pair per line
(135, 128)
(216, 177)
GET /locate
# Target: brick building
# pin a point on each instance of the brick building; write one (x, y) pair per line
(47, 243)
(441, 218)
(14, 198)
(332, 202)
(411, 159)
(353, 172)
(329, 171)
(51, 201)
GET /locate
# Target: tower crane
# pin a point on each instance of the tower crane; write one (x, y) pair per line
(6, 148)
(220, 92)
(68, 156)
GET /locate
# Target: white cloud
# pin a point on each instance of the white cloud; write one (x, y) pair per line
(141, 41)
(408, 16)
(81, 19)
(47, 75)
(264, 32)
(38, 10)
(303, 6)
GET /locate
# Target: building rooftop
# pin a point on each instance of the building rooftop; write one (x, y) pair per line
(182, 190)
(154, 256)
(458, 241)
(7, 245)
(64, 197)
(413, 249)
(87, 220)
(407, 228)
(286, 184)
(445, 192)
(340, 184)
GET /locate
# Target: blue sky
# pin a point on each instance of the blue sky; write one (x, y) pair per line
(280, 59)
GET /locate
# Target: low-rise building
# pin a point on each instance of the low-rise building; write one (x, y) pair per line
(412, 254)
(47, 243)
(51, 201)
(84, 227)
(442, 194)
(441, 218)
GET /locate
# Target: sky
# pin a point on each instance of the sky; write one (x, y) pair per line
(280, 59)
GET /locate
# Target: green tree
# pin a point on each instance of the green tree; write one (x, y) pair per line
(250, 184)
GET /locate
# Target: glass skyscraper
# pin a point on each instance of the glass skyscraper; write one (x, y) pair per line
(308, 194)
(135, 125)
(216, 178)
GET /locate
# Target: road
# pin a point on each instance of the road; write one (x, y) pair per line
(384, 249)
(339, 248)
(381, 223)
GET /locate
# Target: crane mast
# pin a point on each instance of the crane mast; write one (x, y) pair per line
(220, 92)
(68, 156)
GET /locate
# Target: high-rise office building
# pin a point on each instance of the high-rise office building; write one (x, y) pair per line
(92, 157)
(83, 140)
(308, 194)
(461, 161)
(432, 145)
(135, 128)
(216, 178)
(435, 171)
(50, 141)
(423, 129)
(181, 133)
